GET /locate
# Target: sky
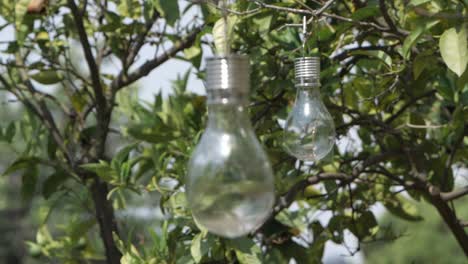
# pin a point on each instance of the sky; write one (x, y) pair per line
(161, 78)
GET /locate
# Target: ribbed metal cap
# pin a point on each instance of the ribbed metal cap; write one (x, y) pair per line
(307, 68)
(228, 73)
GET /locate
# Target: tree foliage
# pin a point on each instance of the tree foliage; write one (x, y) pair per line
(416, 239)
(394, 78)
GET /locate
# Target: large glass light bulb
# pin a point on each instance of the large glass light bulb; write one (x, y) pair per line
(309, 131)
(230, 185)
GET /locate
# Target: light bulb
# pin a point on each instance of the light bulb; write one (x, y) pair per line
(309, 133)
(230, 185)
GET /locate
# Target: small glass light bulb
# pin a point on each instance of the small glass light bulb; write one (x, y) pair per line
(230, 185)
(309, 133)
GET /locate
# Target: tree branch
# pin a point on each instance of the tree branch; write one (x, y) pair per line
(101, 102)
(145, 69)
(408, 105)
(450, 196)
(103, 113)
(104, 210)
(139, 43)
(441, 15)
(42, 111)
(388, 19)
(324, 7)
(105, 217)
(281, 8)
(321, 12)
(450, 219)
(347, 52)
(289, 197)
(447, 214)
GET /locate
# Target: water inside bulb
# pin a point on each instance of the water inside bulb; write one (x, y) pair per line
(230, 186)
(232, 210)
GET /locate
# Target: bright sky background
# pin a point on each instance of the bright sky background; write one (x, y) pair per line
(161, 77)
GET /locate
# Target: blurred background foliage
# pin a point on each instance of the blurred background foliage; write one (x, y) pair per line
(82, 153)
(429, 242)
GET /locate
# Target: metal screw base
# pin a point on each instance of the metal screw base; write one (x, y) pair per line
(307, 70)
(228, 73)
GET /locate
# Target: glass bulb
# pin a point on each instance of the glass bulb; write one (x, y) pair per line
(309, 130)
(230, 185)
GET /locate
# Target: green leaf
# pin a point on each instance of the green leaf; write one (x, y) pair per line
(149, 134)
(415, 35)
(294, 219)
(311, 192)
(132, 257)
(102, 169)
(462, 84)
(114, 22)
(130, 8)
(7, 7)
(42, 36)
(247, 252)
(195, 249)
(365, 225)
(421, 63)
(23, 23)
(337, 225)
(401, 207)
(168, 9)
(454, 49)
(311, 255)
(194, 54)
(288, 38)
(351, 98)
(29, 182)
(446, 89)
(379, 54)
(223, 34)
(43, 235)
(12, 48)
(366, 12)
(148, 10)
(122, 155)
(10, 132)
(80, 228)
(52, 183)
(263, 21)
(21, 8)
(178, 204)
(34, 249)
(21, 163)
(200, 247)
(78, 101)
(51, 147)
(275, 256)
(48, 77)
(185, 260)
(418, 2)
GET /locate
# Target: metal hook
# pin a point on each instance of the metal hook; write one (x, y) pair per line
(304, 35)
(304, 25)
